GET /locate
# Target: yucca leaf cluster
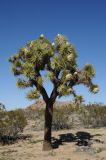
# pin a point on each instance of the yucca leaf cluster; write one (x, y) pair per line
(58, 60)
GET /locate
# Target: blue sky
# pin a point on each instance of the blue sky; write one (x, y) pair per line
(82, 21)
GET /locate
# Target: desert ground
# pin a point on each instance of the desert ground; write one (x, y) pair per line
(75, 144)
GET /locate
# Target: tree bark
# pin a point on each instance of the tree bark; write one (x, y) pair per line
(48, 125)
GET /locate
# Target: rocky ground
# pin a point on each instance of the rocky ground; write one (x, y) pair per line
(75, 144)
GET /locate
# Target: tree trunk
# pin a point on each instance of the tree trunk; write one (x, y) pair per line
(47, 128)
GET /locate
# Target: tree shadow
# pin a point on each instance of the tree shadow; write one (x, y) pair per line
(80, 138)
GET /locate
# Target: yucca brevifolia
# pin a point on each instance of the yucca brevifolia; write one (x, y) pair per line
(58, 61)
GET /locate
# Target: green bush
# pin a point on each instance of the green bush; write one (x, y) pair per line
(94, 115)
(11, 123)
(16, 121)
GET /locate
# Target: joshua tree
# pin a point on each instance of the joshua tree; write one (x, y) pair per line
(57, 61)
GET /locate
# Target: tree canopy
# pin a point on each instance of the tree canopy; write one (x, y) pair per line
(59, 61)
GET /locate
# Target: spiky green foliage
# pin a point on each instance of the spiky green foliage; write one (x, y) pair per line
(79, 99)
(33, 94)
(58, 60)
(89, 70)
(23, 83)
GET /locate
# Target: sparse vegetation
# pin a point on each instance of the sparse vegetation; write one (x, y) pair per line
(89, 116)
(11, 123)
(93, 115)
(82, 141)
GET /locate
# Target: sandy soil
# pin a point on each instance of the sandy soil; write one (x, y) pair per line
(87, 144)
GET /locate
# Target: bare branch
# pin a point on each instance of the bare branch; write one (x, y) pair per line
(55, 82)
(41, 89)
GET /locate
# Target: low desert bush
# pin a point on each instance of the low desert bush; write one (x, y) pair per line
(71, 115)
(16, 121)
(63, 117)
(93, 115)
(11, 123)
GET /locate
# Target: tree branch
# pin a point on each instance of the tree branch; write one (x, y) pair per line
(40, 88)
(55, 82)
(54, 95)
(43, 92)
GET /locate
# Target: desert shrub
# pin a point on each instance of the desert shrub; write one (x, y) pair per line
(60, 120)
(11, 123)
(72, 115)
(98, 115)
(93, 115)
(35, 117)
(2, 118)
(61, 117)
(16, 121)
(34, 113)
(30, 114)
(69, 116)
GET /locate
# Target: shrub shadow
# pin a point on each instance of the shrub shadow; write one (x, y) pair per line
(5, 139)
